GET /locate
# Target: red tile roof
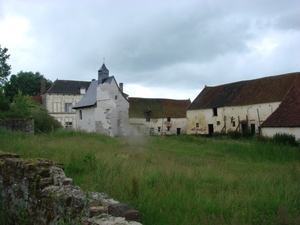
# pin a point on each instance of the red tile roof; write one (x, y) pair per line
(160, 108)
(263, 90)
(288, 112)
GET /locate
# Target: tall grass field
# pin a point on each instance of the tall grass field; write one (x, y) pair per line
(177, 180)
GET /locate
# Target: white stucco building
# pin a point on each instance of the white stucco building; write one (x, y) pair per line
(61, 97)
(104, 107)
(150, 116)
(240, 106)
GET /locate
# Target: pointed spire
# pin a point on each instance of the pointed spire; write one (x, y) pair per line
(103, 73)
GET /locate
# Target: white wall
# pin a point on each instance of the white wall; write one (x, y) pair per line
(271, 131)
(110, 116)
(145, 128)
(87, 123)
(255, 114)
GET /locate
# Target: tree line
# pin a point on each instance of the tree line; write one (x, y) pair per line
(16, 93)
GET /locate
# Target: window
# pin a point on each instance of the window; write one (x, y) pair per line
(233, 123)
(148, 114)
(116, 97)
(82, 90)
(68, 107)
(168, 119)
(80, 114)
(168, 128)
(197, 124)
(218, 123)
(68, 125)
(158, 129)
(215, 112)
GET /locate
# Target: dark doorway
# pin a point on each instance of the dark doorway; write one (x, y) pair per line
(244, 127)
(178, 131)
(252, 129)
(210, 129)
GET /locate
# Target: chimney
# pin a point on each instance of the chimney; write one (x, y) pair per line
(43, 86)
(121, 87)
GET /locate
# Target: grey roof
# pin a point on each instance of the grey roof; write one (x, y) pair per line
(90, 97)
(67, 87)
(103, 68)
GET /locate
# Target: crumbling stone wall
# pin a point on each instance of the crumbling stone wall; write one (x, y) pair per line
(25, 125)
(37, 191)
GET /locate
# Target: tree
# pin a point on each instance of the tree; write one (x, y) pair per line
(28, 83)
(4, 67)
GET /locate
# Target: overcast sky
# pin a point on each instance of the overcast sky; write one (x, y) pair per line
(157, 48)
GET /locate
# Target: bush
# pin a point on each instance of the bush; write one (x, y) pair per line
(286, 139)
(43, 122)
(234, 134)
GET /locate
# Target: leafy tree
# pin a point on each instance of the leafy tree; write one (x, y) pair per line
(28, 83)
(4, 102)
(4, 67)
(26, 107)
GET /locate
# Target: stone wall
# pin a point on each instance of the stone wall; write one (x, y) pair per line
(37, 191)
(25, 125)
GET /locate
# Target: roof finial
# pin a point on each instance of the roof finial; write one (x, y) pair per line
(104, 60)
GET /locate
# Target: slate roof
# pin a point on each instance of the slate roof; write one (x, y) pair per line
(160, 108)
(288, 112)
(67, 87)
(90, 97)
(262, 90)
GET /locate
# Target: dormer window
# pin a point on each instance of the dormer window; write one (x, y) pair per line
(82, 91)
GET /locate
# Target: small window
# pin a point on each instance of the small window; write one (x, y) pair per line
(80, 114)
(68, 107)
(215, 112)
(158, 129)
(168, 119)
(197, 124)
(218, 123)
(82, 90)
(233, 123)
(168, 128)
(68, 125)
(116, 97)
(148, 115)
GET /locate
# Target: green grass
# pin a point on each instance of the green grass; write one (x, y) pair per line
(178, 179)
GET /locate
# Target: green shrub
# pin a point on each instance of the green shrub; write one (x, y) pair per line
(43, 121)
(286, 139)
(234, 134)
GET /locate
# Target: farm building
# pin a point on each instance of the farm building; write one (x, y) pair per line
(104, 107)
(241, 106)
(154, 116)
(286, 118)
(61, 97)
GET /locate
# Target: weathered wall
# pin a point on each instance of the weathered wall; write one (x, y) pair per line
(55, 104)
(25, 125)
(158, 126)
(38, 192)
(255, 114)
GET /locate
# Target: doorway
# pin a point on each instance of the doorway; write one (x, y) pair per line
(210, 129)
